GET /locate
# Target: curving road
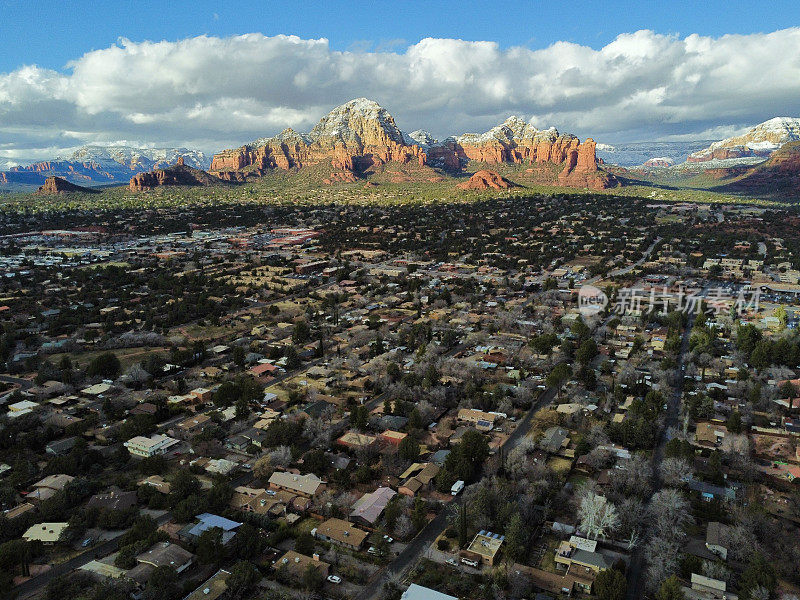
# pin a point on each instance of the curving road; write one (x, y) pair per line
(416, 549)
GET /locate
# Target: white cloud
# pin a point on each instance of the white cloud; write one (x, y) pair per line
(211, 92)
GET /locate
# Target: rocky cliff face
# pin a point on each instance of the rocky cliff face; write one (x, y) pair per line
(361, 135)
(58, 185)
(761, 141)
(180, 174)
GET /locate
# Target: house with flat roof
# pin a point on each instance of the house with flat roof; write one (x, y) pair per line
(155, 445)
(212, 588)
(580, 562)
(711, 588)
(46, 533)
(484, 548)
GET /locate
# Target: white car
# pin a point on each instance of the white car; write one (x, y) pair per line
(335, 579)
(452, 562)
(388, 539)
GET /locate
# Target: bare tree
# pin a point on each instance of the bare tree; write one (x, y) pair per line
(404, 527)
(669, 511)
(675, 471)
(598, 516)
(281, 456)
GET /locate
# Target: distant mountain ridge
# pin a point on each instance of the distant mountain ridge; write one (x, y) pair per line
(361, 135)
(760, 141)
(98, 165)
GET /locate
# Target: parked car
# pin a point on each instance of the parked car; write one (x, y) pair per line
(452, 562)
(388, 539)
(470, 563)
(335, 579)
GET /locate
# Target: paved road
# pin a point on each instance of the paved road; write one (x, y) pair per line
(23, 383)
(34, 585)
(629, 268)
(636, 581)
(416, 549)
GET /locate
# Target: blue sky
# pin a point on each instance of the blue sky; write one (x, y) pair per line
(50, 33)
(211, 75)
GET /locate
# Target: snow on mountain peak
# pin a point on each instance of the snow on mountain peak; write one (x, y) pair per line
(761, 140)
(143, 158)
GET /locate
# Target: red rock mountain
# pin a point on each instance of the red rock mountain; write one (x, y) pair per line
(179, 174)
(778, 175)
(361, 135)
(484, 180)
(59, 185)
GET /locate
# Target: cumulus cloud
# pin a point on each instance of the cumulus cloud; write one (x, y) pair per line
(211, 92)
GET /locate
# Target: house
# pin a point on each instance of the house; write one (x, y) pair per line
(368, 509)
(439, 457)
(297, 564)
(709, 492)
(418, 592)
(113, 501)
(483, 421)
(18, 510)
(554, 440)
(484, 548)
(157, 482)
(97, 389)
(710, 433)
(211, 588)
(155, 445)
(711, 588)
(207, 521)
(61, 447)
(354, 440)
(420, 481)
(580, 562)
(166, 554)
(46, 533)
(392, 438)
(23, 407)
(305, 485)
(190, 427)
(342, 533)
(47, 487)
(714, 540)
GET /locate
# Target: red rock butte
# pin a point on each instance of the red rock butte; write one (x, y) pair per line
(361, 135)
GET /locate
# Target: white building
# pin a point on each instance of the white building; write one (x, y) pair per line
(152, 446)
(417, 592)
